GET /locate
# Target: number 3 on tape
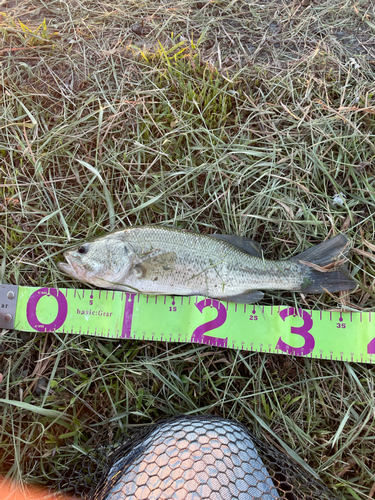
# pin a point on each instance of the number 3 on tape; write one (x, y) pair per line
(303, 330)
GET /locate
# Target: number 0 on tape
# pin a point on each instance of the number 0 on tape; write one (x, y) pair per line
(118, 315)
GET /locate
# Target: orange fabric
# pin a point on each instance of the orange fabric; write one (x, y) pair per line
(12, 491)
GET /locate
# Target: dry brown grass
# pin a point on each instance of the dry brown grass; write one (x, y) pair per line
(232, 116)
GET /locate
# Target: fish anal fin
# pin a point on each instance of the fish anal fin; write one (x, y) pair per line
(245, 244)
(245, 298)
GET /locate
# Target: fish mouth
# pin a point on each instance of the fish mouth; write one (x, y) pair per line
(66, 268)
(69, 267)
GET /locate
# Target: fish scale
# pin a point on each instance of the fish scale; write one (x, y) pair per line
(207, 266)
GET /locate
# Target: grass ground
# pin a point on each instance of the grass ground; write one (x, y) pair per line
(243, 117)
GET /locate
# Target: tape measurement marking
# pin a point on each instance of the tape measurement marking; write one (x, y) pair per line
(124, 315)
(128, 316)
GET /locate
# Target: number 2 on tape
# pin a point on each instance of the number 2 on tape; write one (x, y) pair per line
(199, 334)
(371, 347)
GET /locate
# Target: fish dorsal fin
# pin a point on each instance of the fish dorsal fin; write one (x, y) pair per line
(245, 244)
(154, 267)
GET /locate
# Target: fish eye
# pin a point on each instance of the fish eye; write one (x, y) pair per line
(82, 249)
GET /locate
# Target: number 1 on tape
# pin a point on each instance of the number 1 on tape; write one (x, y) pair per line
(118, 315)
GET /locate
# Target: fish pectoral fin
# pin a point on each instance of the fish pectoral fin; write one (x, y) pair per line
(157, 266)
(245, 244)
(245, 298)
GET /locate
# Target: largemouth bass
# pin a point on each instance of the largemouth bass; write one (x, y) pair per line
(167, 261)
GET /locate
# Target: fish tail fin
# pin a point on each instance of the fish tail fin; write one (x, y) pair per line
(325, 266)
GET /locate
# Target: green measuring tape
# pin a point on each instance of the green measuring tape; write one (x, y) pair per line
(119, 315)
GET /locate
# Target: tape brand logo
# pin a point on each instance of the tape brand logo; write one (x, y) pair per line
(90, 312)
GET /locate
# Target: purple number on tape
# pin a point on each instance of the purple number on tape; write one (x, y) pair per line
(301, 330)
(62, 311)
(199, 333)
(371, 347)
